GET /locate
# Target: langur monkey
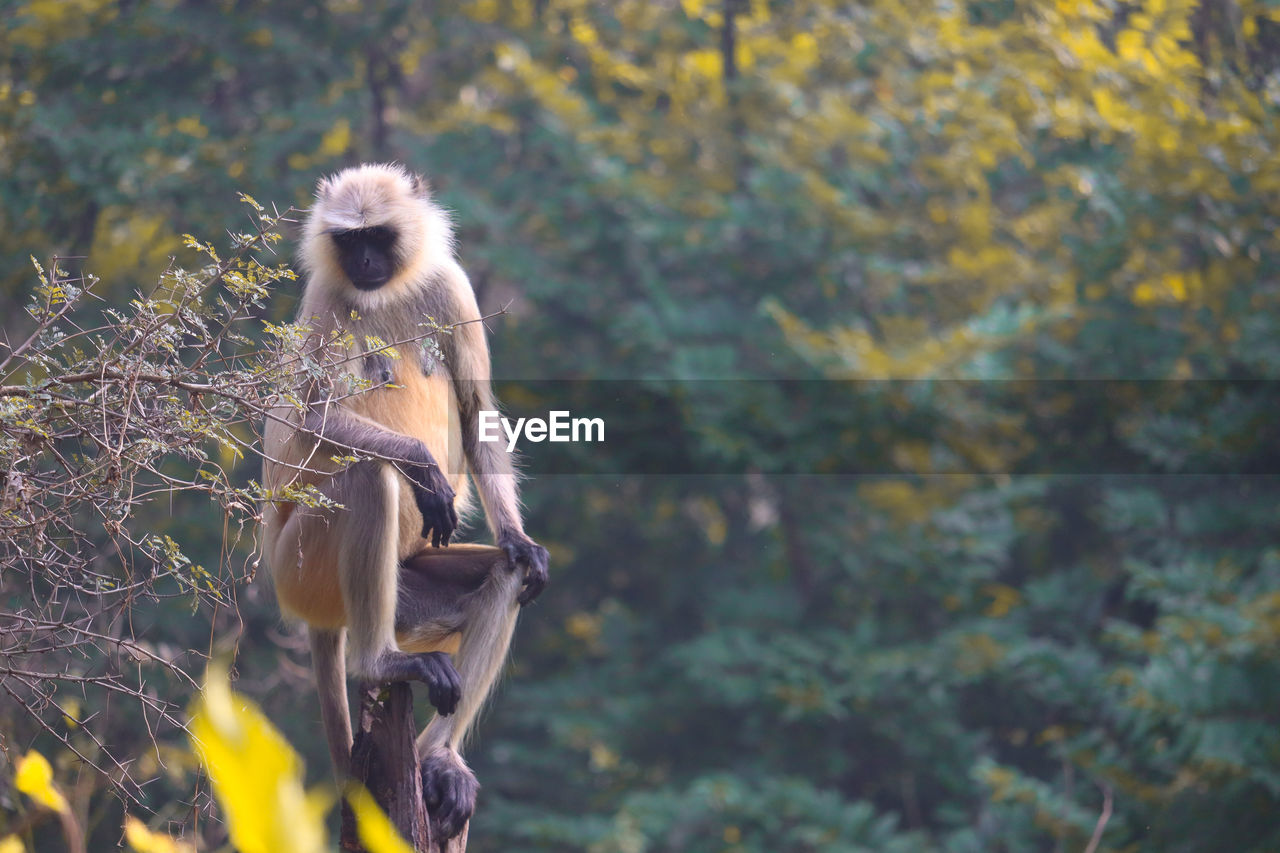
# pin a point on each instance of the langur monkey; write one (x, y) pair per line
(388, 431)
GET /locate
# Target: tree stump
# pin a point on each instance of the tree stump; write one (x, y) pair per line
(385, 761)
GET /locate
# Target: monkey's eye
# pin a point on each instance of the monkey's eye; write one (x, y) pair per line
(379, 237)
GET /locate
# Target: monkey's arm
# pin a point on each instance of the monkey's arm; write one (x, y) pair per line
(347, 431)
(467, 353)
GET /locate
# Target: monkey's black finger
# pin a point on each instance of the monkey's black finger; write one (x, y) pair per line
(443, 698)
(433, 694)
(448, 806)
(534, 584)
(437, 696)
(537, 578)
(452, 822)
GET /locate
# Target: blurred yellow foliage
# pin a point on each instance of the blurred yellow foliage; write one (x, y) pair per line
(144, 840)
(337, 140)
(256, 775)
(34, 777)
(43, 21)
(977, 653)
(376, 833)
(1004, 599)
(128, 243)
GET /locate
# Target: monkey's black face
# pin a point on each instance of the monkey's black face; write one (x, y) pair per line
(366, 255)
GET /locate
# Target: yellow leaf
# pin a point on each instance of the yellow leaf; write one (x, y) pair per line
(707, 62)
(1176, 284)
(375, 830)
(337, 140)
(603, 758)
(12, 844)
(143, 840)
(1004, 598)
(260, 37)
(35, 779)
(978, 652)
(1129, 44)
(484, 11)
(191, 126)
(582, 31)
(256, 775)
(804, 50)
(1110, 110)
(1145, 294)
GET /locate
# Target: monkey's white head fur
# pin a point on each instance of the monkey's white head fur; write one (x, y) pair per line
(369, 196)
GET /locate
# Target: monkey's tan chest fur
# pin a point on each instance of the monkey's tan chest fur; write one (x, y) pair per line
(422, 405)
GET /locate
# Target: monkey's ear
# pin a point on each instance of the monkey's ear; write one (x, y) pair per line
(419, 185)
(323, 185)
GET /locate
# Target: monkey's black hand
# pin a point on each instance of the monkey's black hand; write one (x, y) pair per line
(434, 669)
(529, 557)
(434, 497)
(444, 685)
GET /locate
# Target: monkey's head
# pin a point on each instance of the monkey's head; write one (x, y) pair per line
(374, 233)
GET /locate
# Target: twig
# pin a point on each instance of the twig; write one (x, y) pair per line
(1102, 820)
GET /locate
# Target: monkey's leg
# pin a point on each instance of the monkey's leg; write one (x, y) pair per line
(485, 616)
(367, 532)
(327, 659)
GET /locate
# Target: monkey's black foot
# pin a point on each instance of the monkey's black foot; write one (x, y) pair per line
(435, 669)
(449, 788)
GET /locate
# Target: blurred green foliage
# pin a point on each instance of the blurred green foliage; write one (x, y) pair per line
(968, 661)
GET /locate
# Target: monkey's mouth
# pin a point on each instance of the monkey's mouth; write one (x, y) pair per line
(368, 282)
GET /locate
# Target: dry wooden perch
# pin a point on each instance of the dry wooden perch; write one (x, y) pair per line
(384, 760)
